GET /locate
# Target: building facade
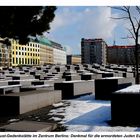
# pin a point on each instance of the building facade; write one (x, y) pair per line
(122, 55)
(73, 59)
(46, 51)
(5, 55)
(39, 51)
(59, 53)
(46, 55)
(28, 54)
(93, 51)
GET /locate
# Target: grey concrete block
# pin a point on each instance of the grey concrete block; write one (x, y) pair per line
(29, 126)
(124, 108)
(72, 89)
(72, 77)
(19, 103)
(105, 87)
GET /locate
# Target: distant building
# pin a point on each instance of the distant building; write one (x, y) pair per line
(28, 54)
(73, 59)
(5, 55)
(93, 51)
(59, 53)
(46, 51)
(39, 51)
(120, 55)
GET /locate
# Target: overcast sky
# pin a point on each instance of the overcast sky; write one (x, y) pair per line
(73, 23)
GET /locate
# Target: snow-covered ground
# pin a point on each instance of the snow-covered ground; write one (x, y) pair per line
(85, 114)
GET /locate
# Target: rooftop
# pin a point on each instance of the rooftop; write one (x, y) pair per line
(123, 46)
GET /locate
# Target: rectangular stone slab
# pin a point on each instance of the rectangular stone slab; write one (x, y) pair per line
(72, 89)
(19, 103)
(105, 87)
(29, 126)
(125, 106)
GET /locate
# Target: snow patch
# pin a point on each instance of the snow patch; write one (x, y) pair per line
(130, 89)
(55, 119)
(58, 104)
(85, 114)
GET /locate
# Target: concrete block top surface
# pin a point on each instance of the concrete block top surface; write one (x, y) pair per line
(11, 86)
(77, 81)
(112, 77)
(39, 86)
(28, 93)
(134, 89)
(87, 74)
(29, 126)
(74, 81)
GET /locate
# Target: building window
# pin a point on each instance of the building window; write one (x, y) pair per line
(25, 60)
(13, 52)
(28, 61)
(22, 60)
(19, 53)
(16, 53)
(28, 49)
(19, 60)
(16, 60)
(36, 61)
(22, 53)
(13, 60)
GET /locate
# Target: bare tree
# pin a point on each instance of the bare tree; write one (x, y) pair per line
(132, 15)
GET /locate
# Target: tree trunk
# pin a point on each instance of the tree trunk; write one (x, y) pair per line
(137, 61)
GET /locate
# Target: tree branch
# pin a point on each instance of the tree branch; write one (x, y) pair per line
(138, 9)
(131, 21)
(133, 36)
(120, 8)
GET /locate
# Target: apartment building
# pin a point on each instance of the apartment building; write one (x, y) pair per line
(123, 54)
(28, 54)
(73, 59)
(93, 51)
(46, 51)
(5, 56)
(59, 53)
(38, 51)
